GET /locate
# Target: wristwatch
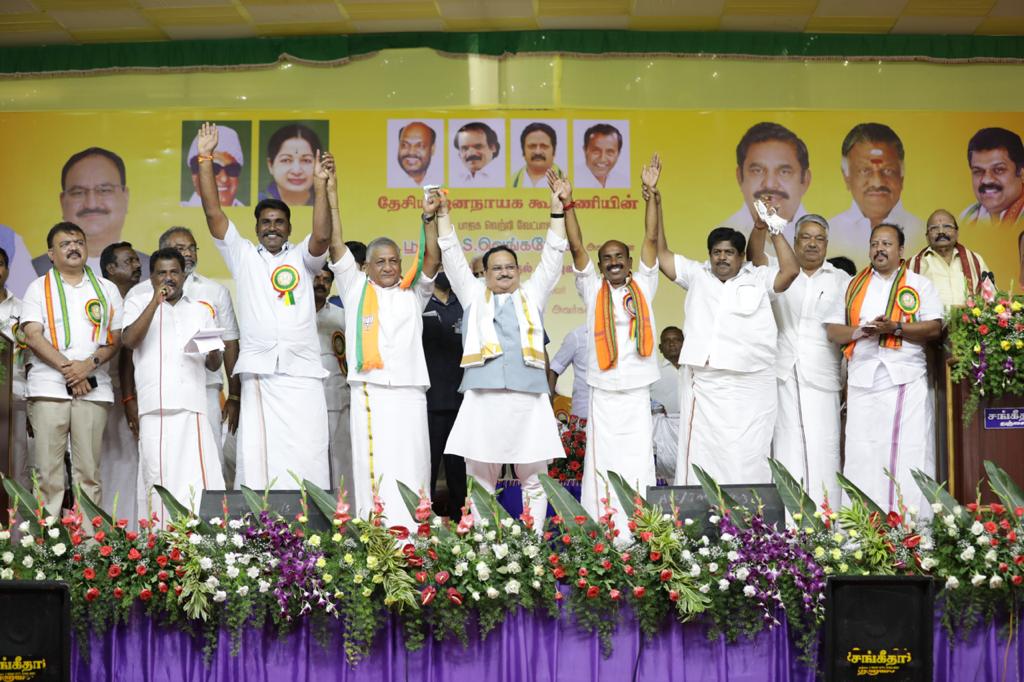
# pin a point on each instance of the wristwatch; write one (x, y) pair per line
(95, 361)
(899, 329)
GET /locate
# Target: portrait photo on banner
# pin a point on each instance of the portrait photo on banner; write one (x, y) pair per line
(479, 152)
(288, 150)
(601, 153)
(232, 163)
(415, 152)
(535, 146)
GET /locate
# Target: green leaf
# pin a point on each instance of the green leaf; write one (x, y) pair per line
(486, 503)
(624, 492)
(253, 499)
(1003, 486)
(853, 491)
(326, 503)
(180, 511)
(796, 500)
(935, 492)
(91, 510)
(564, 503)
(26, 501)
(719, 497)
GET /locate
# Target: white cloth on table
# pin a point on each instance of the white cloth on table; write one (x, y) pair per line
(282, 428)
(389, 444)
(176, 451)
(730, 429)
(619, 440)
(499, 426)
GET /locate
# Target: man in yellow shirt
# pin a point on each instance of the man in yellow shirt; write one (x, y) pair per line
(955, 270)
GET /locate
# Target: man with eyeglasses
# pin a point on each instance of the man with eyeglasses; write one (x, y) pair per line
(94, 196)
(807, 364)
(955, 270)
(228, 162)
(216, 297)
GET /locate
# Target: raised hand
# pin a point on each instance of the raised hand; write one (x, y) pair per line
(322, 165)
(328, 167)
(560, 187)
(650, 174)
(431, 203)
(207, 139)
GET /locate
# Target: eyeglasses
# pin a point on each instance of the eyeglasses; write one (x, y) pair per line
(104, 191)
(187, 249)
(232, 169)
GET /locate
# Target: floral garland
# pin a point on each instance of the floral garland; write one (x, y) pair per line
(738, 572)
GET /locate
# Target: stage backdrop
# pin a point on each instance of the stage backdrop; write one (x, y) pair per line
(693, 112)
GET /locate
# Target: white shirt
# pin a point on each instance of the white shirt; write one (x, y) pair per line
(903, 364)
(573, 351)
(617, 178)
(398, 178)
(275, 337)
(400, 335)
(166, 377)
(852, 227)
(800, 314)
(666, 389)
(10, 315)
(743, 222)
(45, 381)
(631, 370)
(330, 320)
(205, 291)
(491, 175)
(728, 325)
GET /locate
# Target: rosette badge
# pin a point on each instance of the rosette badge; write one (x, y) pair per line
(908, 300)
(284, 280)
(94, 311)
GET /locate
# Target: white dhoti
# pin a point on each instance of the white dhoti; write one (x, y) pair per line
(282, 431)
(176, 451)
(730, 422)
(890, 427)
(213, 413)
(619, 440)
(665, 437)
(498, 426)
(21, 444)
(340, 447)
(119, 468)
(806, 439)
(390, 443)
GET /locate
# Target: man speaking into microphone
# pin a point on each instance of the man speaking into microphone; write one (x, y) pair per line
(177, 446)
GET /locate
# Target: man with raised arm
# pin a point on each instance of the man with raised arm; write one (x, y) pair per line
(387, 373)
(177, 445)
(621, 364)
(730, 348)
(506, 415)
(807, 366)
(283, 414)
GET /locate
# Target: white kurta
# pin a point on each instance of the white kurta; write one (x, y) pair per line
(505, 427)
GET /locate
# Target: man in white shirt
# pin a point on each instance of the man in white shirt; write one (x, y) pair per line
(807, 364)
(215, 295)
(731, 341)
(891, 314)
(414, 161)
(772, 164)
(621, 363)
(478, 148)
(602, 148)
(228, 165)
(573, 351)
(10, 327)
(387, 372)
(330, 330)
(538, 141)
(72, 323)
(283, 414)
(955, 270)
(873, 168)
(176, 440)
(666, 398)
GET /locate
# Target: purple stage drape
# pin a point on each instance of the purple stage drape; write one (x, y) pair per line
(527, 647)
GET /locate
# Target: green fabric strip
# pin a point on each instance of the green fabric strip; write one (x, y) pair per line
(359, 327)
(63, 307)
(258, 52)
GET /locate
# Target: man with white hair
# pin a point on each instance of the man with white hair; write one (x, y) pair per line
(228, 163)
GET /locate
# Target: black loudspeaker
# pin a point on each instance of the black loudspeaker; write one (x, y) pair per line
(287, 503)
(35, 631)
(879, 627)
(693, 503)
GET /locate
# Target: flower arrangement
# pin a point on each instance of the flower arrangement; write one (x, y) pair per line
(740, 574)
(987, 343)
(574, 440)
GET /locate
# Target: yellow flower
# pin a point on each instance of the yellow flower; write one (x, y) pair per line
(1016, 306)
(357, 578)
(336, 537)
(827, 570)
(314, 540)
(378, 578)
(977, 348)
(367, 591)
(854, 533)
(976, 312)
(797, 517)
(371, 561)
(836, 554)
(858, 555)
(302, 518)
(999, 308)
(328, 577)
(843, 568)
(321, 562)
(1019, 344)
(838, 537)
(819, 552)
(1005, 345)
(348, 559)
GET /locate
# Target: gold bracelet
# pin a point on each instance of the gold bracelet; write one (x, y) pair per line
(205, 157)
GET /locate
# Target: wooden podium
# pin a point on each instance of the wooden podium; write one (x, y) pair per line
(998, 437)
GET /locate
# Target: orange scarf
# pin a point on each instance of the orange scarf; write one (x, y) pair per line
(902, 306)
(640, 332)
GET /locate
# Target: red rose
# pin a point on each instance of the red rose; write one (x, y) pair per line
(614, 594)
(140, 570)
(122, 523)
(673, 595)
(965, 318)
(91, 594)
(994, 542)
(441, 577)
(628, 569)
(990, 527)
(599, 548)
(655, 556)
(646, 536)
(161, 561)
(1019, 511)
(665, 575)
(144, 595)
(574, 465)
(583, 572)
(581, 583)
(566, 539)
(88, 574)
(972, 506)
(625, 557)
(1003, 567)
(580, 520)
(631, 525)
(151, 540)
(118, 593)
(553, 472)
(1004, 524)
(114, 571)
(133, 554)
(162, 587)
(162, 575)
(639, 591)
(593, 591)
(99, 536)
(77, 558)
(106, 550)
(983, 329)
(556, 519)
(1017, 580)
(553, 559)
(180, 572)
(421, 577)
(563, 477)
(97, 522)
(1003, 322)
(427, 595)
(606, 564)
(76, 539)
(454, 596)
(1019, 559)
(175, 554)
(177, 590)
(558, 572)
(131, 536)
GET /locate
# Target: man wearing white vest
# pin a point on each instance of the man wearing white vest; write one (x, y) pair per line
(506, 415)
(807, 365)
(621, 360)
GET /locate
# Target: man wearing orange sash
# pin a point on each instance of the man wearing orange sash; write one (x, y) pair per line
(387, 373)
(283, 417)
(891, 314)
(955, 270)
(72, 321)
(621, 362)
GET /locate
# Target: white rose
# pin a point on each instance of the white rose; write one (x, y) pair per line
(686, 555)
(252, 572)
(927, 544)
(742, 573)
(23, 527)
(243, 590)
(516, 530)
(490, 535)
(929, 563)
(8, 557)
(206, 563)
(977, 579)
(27, 541)
(531, 551)
(7, 574)
(456, 549)
(732, 555)
(237, 540)
(957, 509)
(492, 593)
(949, 519)
(500, 551)
(215, 521)
(712, 567)
(704, 589)
(936, 508)
(192, 523)
(513, 567)
(512, 587)
(723, 584)
(220, 595)
(507, 522)
(436, 522)
(726, 537)
(535, 584)
(538, 570)
(977, 528)
(48, 521)
(694, 570)
(990, 556)
(478, 537)
(40, 575)
(54, 533)
(749, 591)
(230, 558)
(484, 523)
(471, 555)
(688, 522)
(995, 582)
(264, 586)
(244, 559)
(461, 568)
(195, 539)
(967, 554)
(714, 519)
(220, 538)
(983, 541)
(234, 524)
(476, 595)
(5, 535)
(233, 571)
(704, 551)
(59, 549)
(212, 582)
(952, 583)
(28, 561)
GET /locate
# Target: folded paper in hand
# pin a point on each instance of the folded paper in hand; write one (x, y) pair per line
(776, 223)
(206, 341)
